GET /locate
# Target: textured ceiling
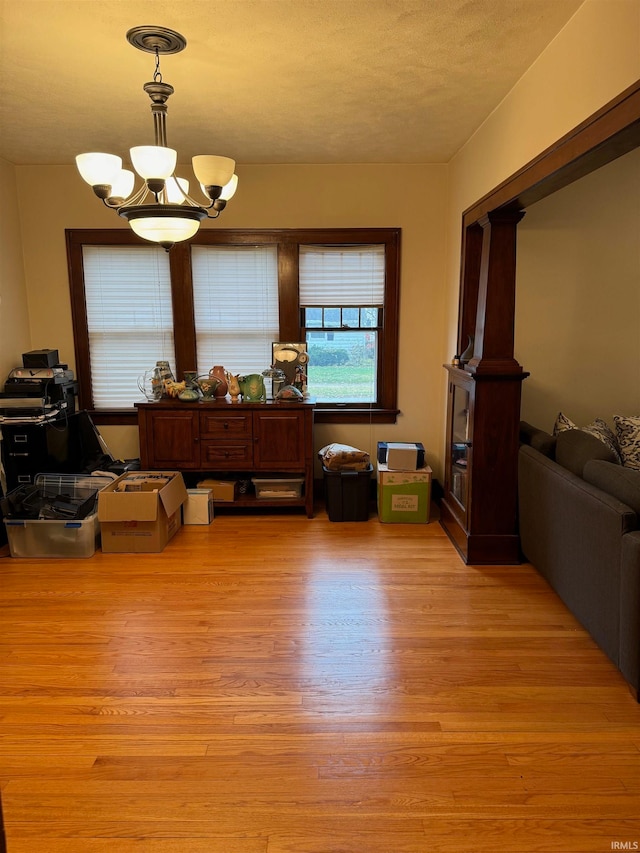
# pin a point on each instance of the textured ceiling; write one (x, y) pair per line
(266, 81)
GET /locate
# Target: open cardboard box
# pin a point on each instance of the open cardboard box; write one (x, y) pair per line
(140, 511)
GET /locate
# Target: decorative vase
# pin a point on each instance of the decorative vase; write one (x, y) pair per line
(150, 384)
(467, 355)
(165, 375)
(191, 392)
(207, 386)
(189, 395)
(234, 386)
(218, 372)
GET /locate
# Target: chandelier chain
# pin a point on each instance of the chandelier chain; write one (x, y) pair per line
(157, 74)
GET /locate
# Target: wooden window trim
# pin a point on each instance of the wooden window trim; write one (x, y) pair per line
(288, 241)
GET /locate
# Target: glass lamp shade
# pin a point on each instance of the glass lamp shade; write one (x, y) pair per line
(213, 171)
(173, 193)
(99, 169)
(229, 190)
(163, 223)
(153, 161)
(123, 184)
(160, 229)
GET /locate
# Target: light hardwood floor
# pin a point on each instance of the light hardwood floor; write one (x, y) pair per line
(274, 684)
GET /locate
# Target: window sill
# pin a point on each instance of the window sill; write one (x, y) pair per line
(339, 415)
(346, 415)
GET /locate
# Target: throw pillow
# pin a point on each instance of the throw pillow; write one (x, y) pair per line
(622, 483)
(575, 447)
(599, 428)
(628, 434)
(562, 423)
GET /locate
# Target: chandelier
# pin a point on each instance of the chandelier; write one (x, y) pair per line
(161, 210)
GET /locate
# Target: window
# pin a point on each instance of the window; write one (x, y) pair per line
(129, 318)
(342, 289)
(224, 298)
(235, 296)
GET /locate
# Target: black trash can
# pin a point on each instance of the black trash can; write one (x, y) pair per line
(347, 494)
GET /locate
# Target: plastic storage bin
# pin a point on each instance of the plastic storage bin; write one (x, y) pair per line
(347, 494)
(58, 537)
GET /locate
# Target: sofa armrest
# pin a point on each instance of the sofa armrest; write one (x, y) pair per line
(630, 610)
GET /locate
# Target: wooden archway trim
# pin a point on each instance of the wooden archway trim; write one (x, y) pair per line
(609, 133)
(486, 528)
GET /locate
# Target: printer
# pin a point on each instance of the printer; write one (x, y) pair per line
(41, 387)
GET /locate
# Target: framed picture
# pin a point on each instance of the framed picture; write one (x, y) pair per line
(292, 359)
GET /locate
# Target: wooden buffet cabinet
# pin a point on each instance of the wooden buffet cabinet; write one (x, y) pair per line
(224, 438)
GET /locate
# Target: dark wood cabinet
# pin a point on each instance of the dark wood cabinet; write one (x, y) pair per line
(222, 437)
(478, 509)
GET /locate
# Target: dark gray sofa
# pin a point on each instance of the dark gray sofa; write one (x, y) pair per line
(579, 518)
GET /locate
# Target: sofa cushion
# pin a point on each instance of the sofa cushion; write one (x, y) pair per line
(597, 427)
(540, 440)
(628, 435)
(575, 447)
(619, 482)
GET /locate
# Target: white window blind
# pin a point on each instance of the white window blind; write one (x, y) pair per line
(344, 358)
(129, 317)
(235, 294)
(342, 275)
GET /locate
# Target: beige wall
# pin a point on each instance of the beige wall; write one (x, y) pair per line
(410, 197)
(578, 298)
(594, 58)
(14, 316)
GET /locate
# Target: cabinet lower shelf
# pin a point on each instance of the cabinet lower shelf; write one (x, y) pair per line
(244, 501)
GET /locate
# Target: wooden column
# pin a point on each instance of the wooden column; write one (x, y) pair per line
(495, 314)
(487, 532)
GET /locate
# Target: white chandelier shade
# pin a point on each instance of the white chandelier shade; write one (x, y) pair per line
(96, 168)
(154, 161)
(211, 170)
(122, 186)
(163, 229)
(176, 190)
(161, 210)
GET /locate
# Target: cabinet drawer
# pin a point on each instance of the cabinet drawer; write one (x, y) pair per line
(217, 455)
(233, 425)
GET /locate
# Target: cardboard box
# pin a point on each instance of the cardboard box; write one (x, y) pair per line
(401, 456)
(140, 511)
(223, 490)
(403, 496)
(198, 508)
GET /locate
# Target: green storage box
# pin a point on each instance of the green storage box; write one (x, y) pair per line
(404, 496)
